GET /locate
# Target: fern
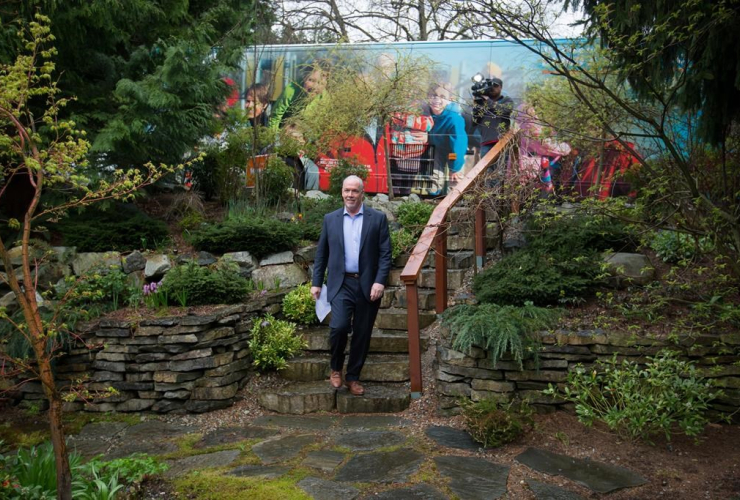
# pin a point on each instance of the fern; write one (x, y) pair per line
(498, 329)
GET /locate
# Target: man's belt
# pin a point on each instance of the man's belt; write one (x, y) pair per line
(352, 275)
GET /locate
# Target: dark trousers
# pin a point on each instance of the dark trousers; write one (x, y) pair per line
(351, 312)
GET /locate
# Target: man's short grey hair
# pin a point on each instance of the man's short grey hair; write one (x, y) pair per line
(354, 178)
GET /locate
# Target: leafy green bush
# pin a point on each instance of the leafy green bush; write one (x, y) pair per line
(493, 423)
(299, 305)
(133, 468)
(499, 329)
(197, 285)
(275, 180)
(672, 246)
(413, 216)
(562, 261)
(313, 216)
(402, 241)
(273, 341)
(259, 236)
(666, 395)
(341, 171)
(121, 228)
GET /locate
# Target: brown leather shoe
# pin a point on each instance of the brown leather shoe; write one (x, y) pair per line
(335, 379)
(354, 387)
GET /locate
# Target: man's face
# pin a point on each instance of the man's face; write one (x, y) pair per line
(495, 91)
(352, 195)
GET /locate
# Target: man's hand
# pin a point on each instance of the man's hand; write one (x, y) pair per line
(315, 292)
(376, 291)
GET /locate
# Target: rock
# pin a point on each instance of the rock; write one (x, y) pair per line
(277, 258)
(377, 399)
(134, 262)
(324, 460)
(205, 259)
(452, 438)
(87, 261)
(316, 195)
(381, 198)
(269, 472)
(230, 435)
(321, 489)
(319, 422)
(414, 198)
(184, 465)
(136, 279)
(285, 276)
(210, 393)
(203, 406)
(544, 491)
(416, 492)
(385, 467)
(282, 449)
(306, 255)
(629, 269)
(596, 476)
(300, 399)
(244, 260)
(9, 302)
(372, 422)
(369, 440)
(473, 478)
(135, 405)
(157, 265)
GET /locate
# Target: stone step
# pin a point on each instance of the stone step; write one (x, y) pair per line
(312, 397)
(396, 319)
(382, 341)
(378, 368)
(299, 399)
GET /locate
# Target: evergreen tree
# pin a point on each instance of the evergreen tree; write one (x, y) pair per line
(686, 46)
(148, 75)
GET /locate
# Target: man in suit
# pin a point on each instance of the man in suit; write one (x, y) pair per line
(355, 247)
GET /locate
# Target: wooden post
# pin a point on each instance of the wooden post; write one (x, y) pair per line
(412, 304)
(440, 268)
(480, 237)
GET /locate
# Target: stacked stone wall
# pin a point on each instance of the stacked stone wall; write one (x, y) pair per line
(474, 376)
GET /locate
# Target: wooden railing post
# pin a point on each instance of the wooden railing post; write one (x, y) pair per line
(412, 305)
(440, 268)
(480, 237)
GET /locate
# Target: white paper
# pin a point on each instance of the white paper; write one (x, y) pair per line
(323, 307)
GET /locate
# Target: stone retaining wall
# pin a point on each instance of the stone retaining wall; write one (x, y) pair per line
(193, 363)
(473, 375)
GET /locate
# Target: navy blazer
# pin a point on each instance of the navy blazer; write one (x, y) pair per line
(375, 252)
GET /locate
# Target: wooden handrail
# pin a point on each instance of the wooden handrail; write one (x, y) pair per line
(429, 237)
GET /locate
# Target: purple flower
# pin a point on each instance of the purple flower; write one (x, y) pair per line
(147, 290)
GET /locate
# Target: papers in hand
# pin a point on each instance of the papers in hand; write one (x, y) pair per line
(322, 305)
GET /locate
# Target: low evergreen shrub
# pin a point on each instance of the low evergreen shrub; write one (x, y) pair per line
(198, 285)
(561, 261)
(259, 236)
(313, 216)
(494, 423)
(498, 329)
(273, 342)
(665, 395)
(299, 306)
(122, 228)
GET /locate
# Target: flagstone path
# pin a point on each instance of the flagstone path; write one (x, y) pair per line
(353, 457)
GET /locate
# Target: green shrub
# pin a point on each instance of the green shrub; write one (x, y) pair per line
(191, 220)
(498, 329)
(133, 468)
(341, 171)
(313, 216)
(402, 241)
(672, 246)
(666, 395)
(273, 342)
(197, 285)
(121, 228)
(493, 423)
(562, 261)
(259, 236)
(275, 180)
(299, 305)
(413, 216)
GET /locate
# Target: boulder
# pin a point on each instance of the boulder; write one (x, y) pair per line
(629, 269)
(157, 265)
(134, 262)
(205, 259)
(244, 260)
(86, 261)
(316, 195)
(277, 258)
(306, 255)
(287, 275)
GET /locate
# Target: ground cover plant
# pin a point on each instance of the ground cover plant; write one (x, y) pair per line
(494, 422)
(665, 396)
